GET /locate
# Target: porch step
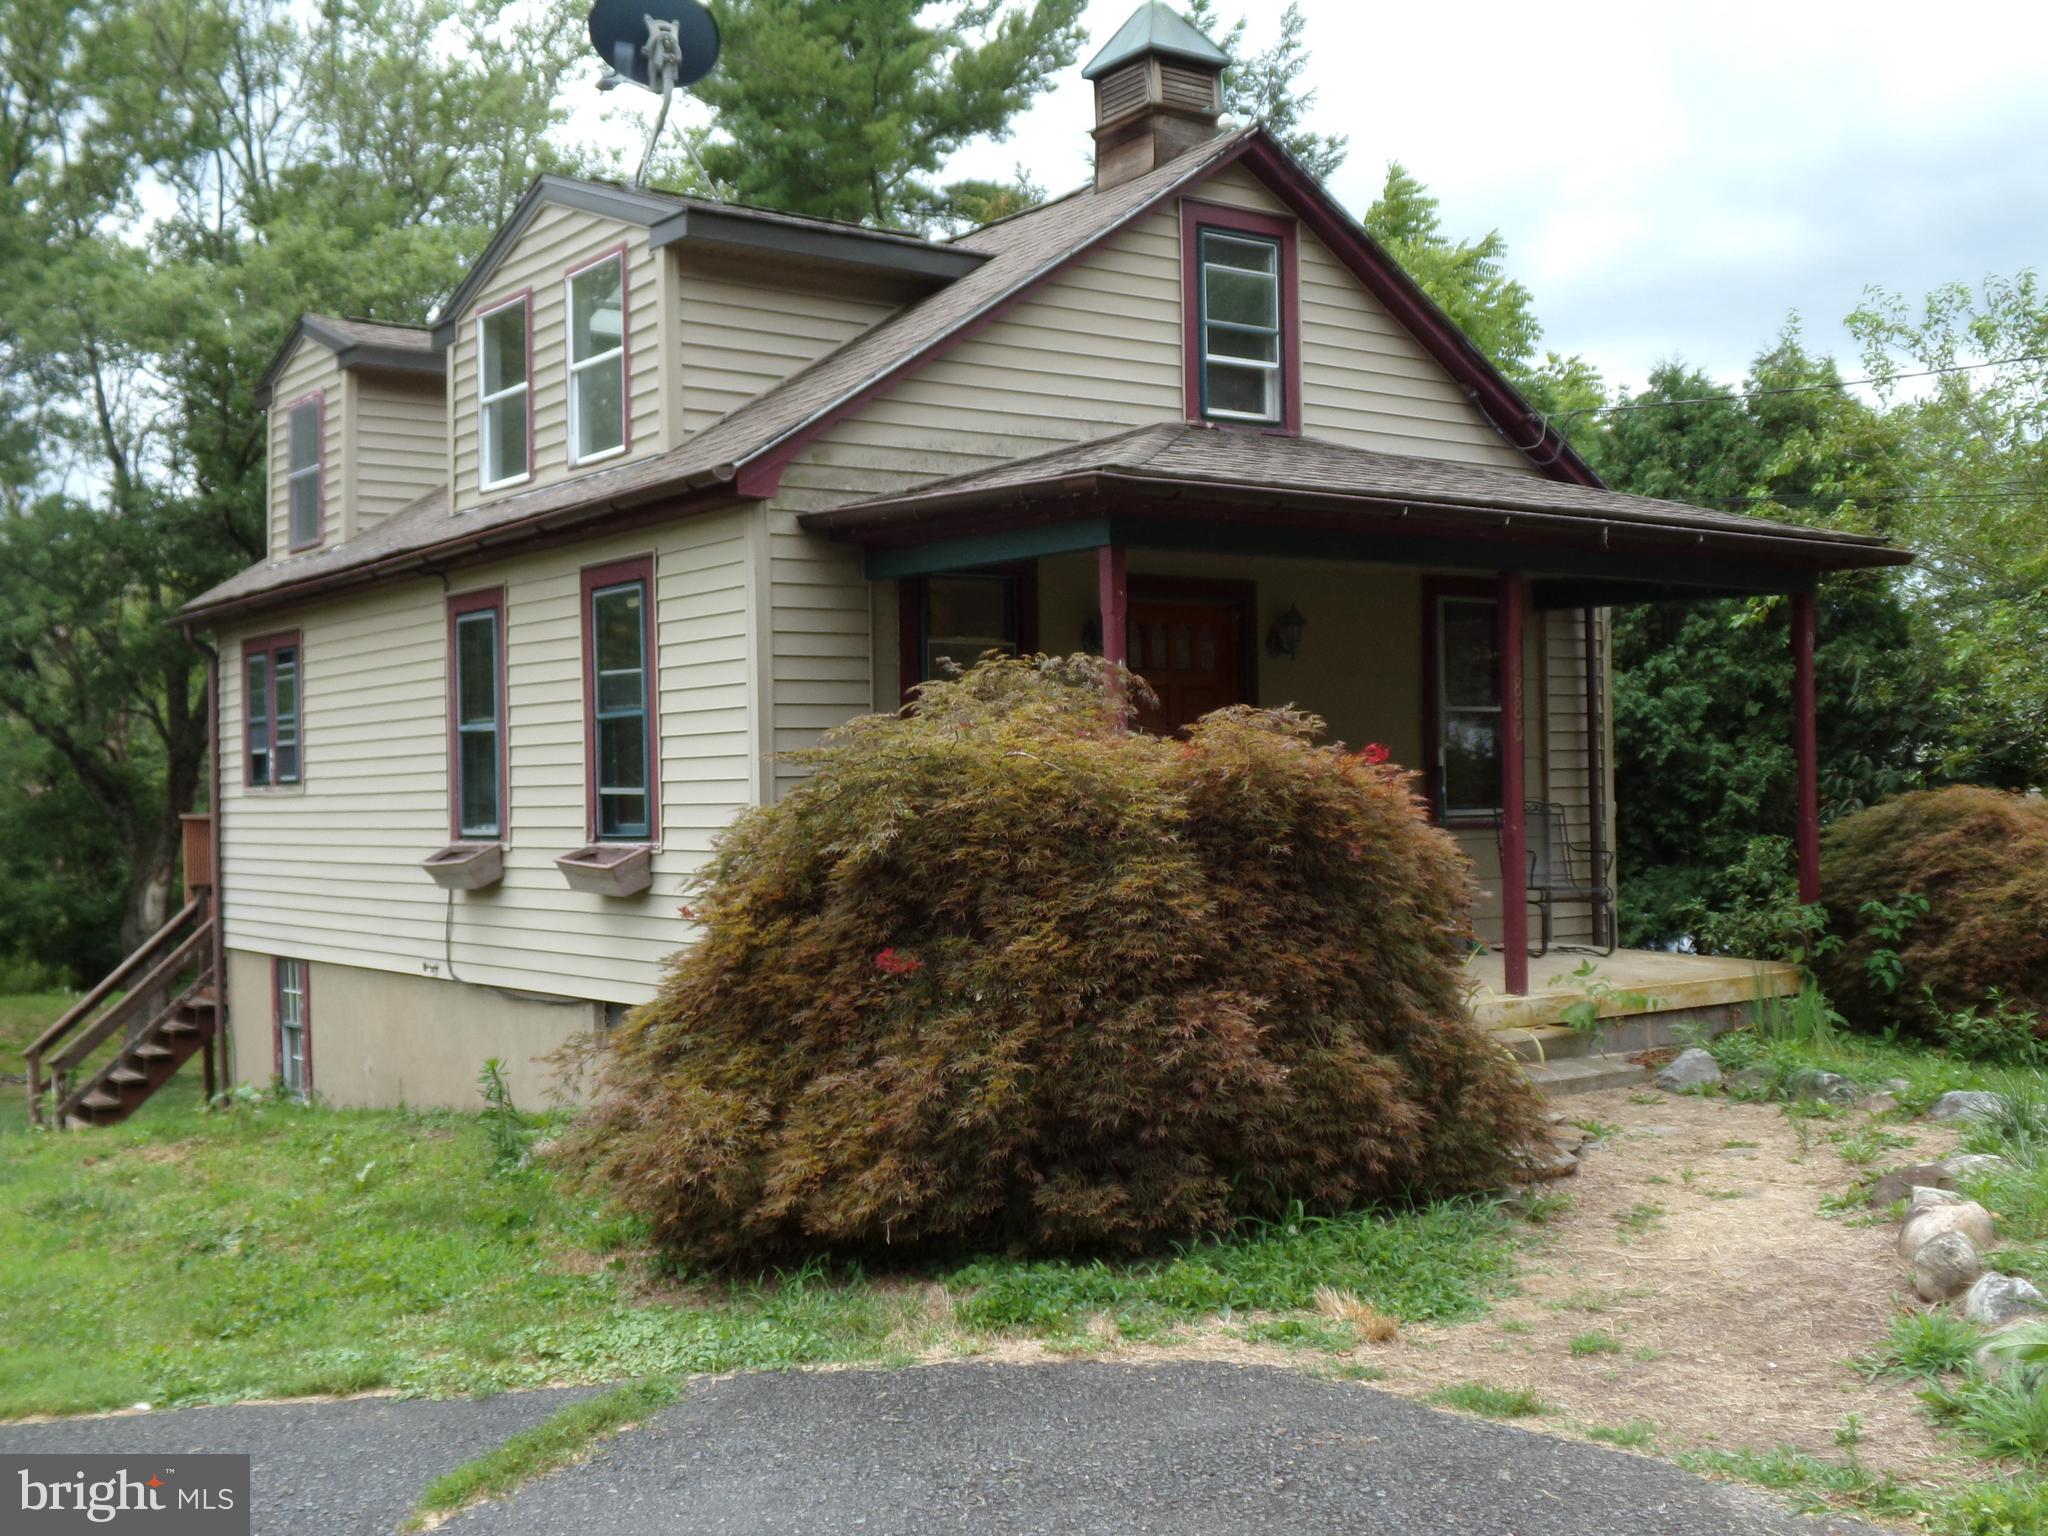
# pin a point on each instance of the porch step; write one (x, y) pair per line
(126, 1075)
(1585, 1074)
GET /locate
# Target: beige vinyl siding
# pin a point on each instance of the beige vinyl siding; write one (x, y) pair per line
(398, 426)
(311, 367)
(1566, 756)
(330, 871)
(559, 240)
(740, 329)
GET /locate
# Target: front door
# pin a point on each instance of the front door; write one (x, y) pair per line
(1191, 652)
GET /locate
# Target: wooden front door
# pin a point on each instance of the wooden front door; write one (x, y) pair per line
(1191, 653)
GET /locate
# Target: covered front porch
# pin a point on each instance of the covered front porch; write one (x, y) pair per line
(1454, 615)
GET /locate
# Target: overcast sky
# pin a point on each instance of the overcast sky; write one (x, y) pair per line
(1672, 180)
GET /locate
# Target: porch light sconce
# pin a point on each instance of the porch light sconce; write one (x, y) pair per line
(1284, 638)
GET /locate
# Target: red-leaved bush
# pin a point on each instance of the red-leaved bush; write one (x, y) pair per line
(1000, 974)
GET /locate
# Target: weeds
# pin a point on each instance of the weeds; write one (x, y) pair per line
(1634, 1435)
(1489, 1402)
(1924, 1345)
(1595, 1343)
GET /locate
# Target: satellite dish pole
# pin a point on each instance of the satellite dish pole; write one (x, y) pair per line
(679, 47)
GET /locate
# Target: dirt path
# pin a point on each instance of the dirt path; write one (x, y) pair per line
(1695, 1242)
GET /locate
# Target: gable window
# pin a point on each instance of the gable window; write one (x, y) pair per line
(504, 396)
(476, 699)
(270, 670)
(1240, 300)
(618, 648)
(292, 1025)
(597, 359)
(1468, 713)
(305, 475)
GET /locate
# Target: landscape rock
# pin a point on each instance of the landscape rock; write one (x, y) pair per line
(1930, 1221)
(1945, 1266)
(1544, 1160)
(1995, 1300)
(1897, 1084)
(1690, 1070)
(1992, 1359)
(1900, 1183)
(1974, 1165)
(1750, 1080)
(1829, 1087)
(1877, 1104)
(1966, 1104)
(1923, 1197)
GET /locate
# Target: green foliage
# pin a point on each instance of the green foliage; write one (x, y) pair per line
(505, 1129)
(1978, 860)
(1598, 1000)
(1489, 1401)
(1633, 1435)
(1992, 1031)
(1595, 1343)
(1001, 972)
(1814, 1485)
(1923, 1344)
(846, 109)
(2007, 1417)
(1265, 87)
(1755, 910)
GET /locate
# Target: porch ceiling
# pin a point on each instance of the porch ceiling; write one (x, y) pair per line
(1190, 486)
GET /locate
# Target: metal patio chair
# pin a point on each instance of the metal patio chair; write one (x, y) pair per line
(1560, 874)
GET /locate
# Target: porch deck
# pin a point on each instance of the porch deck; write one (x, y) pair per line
(1680, 988)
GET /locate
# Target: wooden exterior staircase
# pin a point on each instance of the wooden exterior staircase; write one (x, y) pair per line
(170, 986)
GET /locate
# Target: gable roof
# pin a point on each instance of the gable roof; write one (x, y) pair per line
(355, 343)
(743, 454)
(1187, 463)
(1156, 28)
(671, 218)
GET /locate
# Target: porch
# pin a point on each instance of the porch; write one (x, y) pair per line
(1634, 986)
(1456, 619)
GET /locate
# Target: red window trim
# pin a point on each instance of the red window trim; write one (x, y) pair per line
(569, 275)
(522, 296)
(269, 645)
(616, 573)
(1434, 588)
(1196, 216)
(305, 1017)
(910, 595)
(491, 599)
(318, 400)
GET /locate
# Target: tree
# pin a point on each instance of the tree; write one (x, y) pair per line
(334, 169)
(1265, 87)
(847, 109)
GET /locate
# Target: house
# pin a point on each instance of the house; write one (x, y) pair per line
(671, 487)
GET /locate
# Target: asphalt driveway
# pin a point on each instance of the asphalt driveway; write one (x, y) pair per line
(967, 1450)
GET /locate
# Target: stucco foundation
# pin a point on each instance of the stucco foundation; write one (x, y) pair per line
(381, 1038)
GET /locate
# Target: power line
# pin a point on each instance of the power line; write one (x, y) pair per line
(1793, 389)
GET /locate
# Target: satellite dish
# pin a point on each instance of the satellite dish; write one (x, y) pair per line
(635, 38)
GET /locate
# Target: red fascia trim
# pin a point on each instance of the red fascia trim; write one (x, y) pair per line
(487, 599)
(1382, 275)
(760, 476)
(268, 645)
(483, 313)
(318, 400)
(1196, 216)
(619, 253)
(1433, 588)
(612, 574)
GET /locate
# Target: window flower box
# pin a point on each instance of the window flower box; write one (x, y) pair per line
(609, 869)
(466, 866)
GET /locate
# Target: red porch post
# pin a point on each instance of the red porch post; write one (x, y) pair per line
(1113, 592)
(1805, 747)
(1510, 604)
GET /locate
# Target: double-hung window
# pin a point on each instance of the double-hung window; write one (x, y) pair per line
(966, 616)
(294, 1024)
(618, 633)
(1468, 712)
(1241, 331)
(597, 359)
(476, 701)
(270, 672)
(504, 393)
(305, 474)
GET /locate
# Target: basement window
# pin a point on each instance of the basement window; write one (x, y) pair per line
(294, 1025)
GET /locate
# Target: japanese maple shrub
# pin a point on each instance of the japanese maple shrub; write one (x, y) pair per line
(1002, 974)
(1940, 899)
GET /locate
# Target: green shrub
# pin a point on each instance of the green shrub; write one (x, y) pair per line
(1979, 859)
(1002, 975)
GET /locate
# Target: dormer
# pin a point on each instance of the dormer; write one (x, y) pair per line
(603, 325)
(355, 429)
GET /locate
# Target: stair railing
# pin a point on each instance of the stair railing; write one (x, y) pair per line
(144, 975)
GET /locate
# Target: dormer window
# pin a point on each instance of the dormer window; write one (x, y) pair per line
(504, 396)
(1242, 332)
(597, 359)
(305, 478)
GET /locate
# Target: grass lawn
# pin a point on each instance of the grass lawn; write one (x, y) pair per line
(270, 1249)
